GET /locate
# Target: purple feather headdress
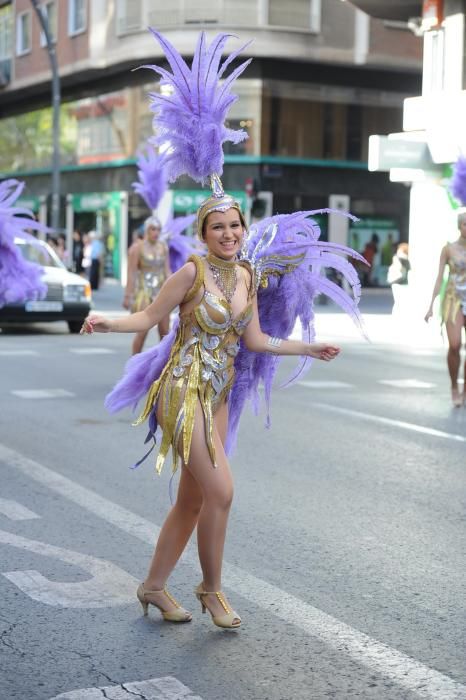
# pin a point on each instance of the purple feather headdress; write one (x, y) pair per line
(20, 280)
(458, 180)
(190, 115)
(152, 176)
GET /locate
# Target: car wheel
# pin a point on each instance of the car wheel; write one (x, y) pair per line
(75, 326)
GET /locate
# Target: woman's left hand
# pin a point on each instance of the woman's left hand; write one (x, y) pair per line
(323, 351)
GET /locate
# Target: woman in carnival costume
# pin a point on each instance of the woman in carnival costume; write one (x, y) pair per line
(238, 305)
(152, 260)
(20, 280)
(453, 308)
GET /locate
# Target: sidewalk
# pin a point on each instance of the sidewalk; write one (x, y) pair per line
(409, 330)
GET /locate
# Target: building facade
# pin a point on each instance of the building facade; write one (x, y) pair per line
(324, 77)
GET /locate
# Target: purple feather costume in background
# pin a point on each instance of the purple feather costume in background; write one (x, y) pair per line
(458, 180)
(20, 280)
(151, 186)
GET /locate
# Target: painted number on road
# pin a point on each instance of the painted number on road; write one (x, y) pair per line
(107, 586)
(167, 688)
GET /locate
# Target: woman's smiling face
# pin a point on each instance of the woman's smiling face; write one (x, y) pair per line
(223, 233)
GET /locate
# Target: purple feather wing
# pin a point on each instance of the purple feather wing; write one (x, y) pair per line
(180, 247)
(20, 280)
(192, 117)
(140, 372)
(287, 257)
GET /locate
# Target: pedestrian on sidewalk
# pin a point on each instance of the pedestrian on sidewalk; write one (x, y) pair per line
(453, 255)
(199, 377)
(397, 276)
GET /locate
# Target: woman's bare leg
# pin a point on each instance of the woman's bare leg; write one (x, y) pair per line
(138, 342)
(204, 498)
(175, 534)
(216, 485)
(454, 330)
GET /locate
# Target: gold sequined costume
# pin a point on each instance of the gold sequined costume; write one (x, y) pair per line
(200, 368)
(150, 275)
(454, 299)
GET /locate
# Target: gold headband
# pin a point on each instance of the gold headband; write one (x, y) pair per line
(218, 201)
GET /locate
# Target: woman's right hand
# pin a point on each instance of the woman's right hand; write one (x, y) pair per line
(428, 315)
(126, 304)
(96, 324)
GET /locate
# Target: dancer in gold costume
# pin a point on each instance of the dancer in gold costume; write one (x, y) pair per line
(148, 268)
(197, 380)
(453, 255)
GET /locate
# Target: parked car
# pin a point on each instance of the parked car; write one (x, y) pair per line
(68, 295)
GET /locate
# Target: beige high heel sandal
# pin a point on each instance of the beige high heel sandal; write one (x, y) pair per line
(226, 621)
(178, 615)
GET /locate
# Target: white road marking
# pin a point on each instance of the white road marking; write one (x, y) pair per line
(406, 672)
(167, 688)
(42, 393)
(108, 586)
(17, 353)
(407, 383)
(323, 384)
(93, 351)
(16, 511)
(391, 421)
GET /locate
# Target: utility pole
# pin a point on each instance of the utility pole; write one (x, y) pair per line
(43, 20)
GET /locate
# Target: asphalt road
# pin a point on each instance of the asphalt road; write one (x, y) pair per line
(345, 554)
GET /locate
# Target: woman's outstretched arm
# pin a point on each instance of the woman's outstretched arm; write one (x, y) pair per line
(257, 341)
(170, 296)
(438, 282)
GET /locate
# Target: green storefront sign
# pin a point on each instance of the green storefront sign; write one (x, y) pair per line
(188, 201)
(108, 205)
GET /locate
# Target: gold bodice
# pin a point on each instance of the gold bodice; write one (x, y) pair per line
(150, 274)
(200, 368)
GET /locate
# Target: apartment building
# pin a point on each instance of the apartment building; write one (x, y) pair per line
(324, 77)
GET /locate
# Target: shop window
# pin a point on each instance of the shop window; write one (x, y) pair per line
(23, 33)
(49, 12)
(77, 20)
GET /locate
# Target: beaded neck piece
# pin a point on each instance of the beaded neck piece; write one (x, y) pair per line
(224, 274)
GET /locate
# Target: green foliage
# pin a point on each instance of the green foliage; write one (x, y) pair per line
(26, 140)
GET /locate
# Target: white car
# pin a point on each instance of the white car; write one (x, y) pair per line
(68, 295)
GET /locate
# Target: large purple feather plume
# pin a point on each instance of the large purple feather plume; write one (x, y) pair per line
(20, 280)
(152, 176)
(287, 256)
(190, 115)
(458, 180)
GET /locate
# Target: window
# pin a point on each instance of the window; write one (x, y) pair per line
(5, 44)
(129, 16)
(23, 33)
(49, 11)
(76, 17)
(301, 14)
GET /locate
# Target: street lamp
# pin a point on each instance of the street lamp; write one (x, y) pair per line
(43, 19)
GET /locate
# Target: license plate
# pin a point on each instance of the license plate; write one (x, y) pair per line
(44, 306)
